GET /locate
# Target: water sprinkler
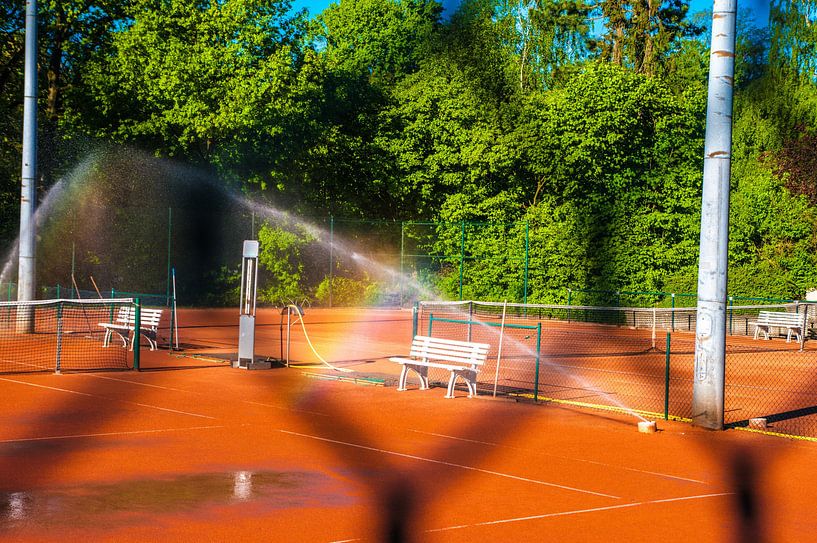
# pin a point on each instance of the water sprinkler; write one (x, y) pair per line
(647, 427)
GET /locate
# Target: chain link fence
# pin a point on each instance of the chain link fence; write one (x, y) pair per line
(636, 359)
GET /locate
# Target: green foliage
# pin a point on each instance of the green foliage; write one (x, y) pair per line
(280, 260)
(517, 128)
(224, 288)
(349, 292)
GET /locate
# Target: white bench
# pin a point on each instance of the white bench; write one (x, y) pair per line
(792, 322)
(462, 358)
(126, 322)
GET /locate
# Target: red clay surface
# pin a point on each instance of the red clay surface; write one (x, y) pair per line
(211, 453)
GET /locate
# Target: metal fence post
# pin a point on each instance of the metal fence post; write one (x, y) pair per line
(331, 254)
(402, 251)
(527, 265)
(462, 254)
(137, 322)
(538, 355)
(666, 378)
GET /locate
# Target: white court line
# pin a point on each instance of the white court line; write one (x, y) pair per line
(453, 465)
(106, 434)
(133, 382)
(200, 393)
(107, 398)
(594, 462)
(563, 513)
(582, 511)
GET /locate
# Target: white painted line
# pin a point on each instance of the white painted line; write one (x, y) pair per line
(453, 465)
(131, 382)
(106, 398)
(594, 462)
(106, 434)
(170, 410)
(582, 511)
(46, 387)
(286, 408)
(196, 392)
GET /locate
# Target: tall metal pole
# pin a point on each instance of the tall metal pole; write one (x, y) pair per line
(710, 336)
(28, 194)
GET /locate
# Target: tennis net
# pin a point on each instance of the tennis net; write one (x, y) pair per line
(59, 335)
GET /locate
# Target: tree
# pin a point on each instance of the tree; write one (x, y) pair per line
(616, 161)
(641, 33)
(197, 80)
(385, 39)
(793, 25)
(12, 51)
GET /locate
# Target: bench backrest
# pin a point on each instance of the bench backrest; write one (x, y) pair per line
(449, 351)
(780, 318)
(148, 318)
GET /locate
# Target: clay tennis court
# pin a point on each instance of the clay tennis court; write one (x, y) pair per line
(190, 449)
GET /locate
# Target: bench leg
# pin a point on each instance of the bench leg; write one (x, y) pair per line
(401, 384)
(470, 378)
(107, 339)
(422, 373)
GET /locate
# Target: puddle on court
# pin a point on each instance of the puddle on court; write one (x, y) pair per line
(132, 501)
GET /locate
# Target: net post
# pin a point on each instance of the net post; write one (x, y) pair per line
(470, 318)
(666, 377)
(137, 322)
(59, 337)
(673, 311)
(804, 322)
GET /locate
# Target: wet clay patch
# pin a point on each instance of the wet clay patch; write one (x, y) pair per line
(132, 501)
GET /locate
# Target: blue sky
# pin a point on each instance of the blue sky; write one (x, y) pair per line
(760, 8)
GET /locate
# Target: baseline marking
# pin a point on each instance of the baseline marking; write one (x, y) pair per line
(106, 398)
(106, 434)
(453, 465)
(564, 457)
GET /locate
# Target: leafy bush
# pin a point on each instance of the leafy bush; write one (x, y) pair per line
(341, 291)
